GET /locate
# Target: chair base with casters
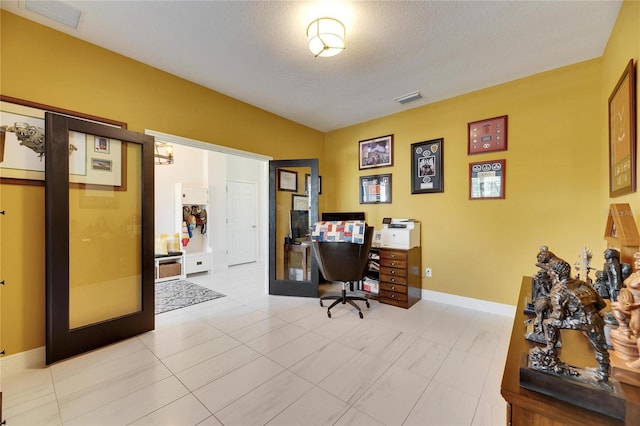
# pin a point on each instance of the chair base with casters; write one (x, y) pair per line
(344, 299)
(343, 261)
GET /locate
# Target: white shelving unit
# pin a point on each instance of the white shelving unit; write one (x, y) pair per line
(169, 261)
(197, 254)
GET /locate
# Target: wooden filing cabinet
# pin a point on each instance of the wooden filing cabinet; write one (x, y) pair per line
(400, 279)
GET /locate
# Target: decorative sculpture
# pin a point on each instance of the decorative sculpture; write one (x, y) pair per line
(540, 287)
(575, 305)
(626, 310)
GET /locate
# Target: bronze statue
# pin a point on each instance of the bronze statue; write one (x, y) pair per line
(626, 310)
(540, 287)
(575, 305)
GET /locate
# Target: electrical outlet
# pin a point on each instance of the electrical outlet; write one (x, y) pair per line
(427, 272)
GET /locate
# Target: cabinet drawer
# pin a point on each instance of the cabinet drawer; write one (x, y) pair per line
(393, 255)
(394, 272)
(396, 288)
(394, 263)
(385, 294)
(198, 263)
(393, 279)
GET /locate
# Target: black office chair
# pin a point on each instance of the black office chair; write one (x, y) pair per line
(345, 262)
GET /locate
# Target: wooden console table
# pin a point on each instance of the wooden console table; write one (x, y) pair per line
(526, 407)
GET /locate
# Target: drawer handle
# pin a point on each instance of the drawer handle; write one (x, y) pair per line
(393, 256)
(393, 272)
(393, 263)
(393, 280)
(393, 296)
(393, 287)
(199, 262)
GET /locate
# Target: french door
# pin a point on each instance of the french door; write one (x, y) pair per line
(99, 235)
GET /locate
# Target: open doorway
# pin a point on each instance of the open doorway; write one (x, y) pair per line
(228, 175)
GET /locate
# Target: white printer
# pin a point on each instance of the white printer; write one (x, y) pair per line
(400, 234)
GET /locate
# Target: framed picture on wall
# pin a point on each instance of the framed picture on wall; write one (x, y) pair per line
(622, 134)
(93, 160)
(299, 202)
(287, 180)
(307, 184)
(486, 179)
(375, 189)
(376, 152)
(427, 172)
(487, 135)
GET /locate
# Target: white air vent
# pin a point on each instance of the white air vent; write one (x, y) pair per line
(409, 97)
(57, 10)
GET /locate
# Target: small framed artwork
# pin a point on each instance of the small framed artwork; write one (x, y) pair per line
(622, 134)
(486, 179)
(487, 135)
(375, 189)
(307, 184)
(427, 173)
(376, 152)
(101, 164)
(299, 202)
(101, 145)
(287, 180)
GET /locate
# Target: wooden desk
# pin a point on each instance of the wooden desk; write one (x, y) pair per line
(304, 250)
(526, 407)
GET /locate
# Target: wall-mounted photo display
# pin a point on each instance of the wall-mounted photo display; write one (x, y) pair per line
(93, 160)
(487, 135)
(287, 180)
(376, 152)
(427, 172)
(486, 179)
(622, 134)
(375, 189)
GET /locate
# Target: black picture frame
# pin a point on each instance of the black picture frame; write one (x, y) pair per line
(427, 170)
(375, 189)
(287, 180)
(376, 152)
(307, 184)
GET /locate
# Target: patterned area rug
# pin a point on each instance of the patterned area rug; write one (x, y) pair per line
(172, 295)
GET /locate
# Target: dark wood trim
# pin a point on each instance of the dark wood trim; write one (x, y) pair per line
(61, 341)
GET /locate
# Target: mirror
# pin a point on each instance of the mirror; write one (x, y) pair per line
(293, 208)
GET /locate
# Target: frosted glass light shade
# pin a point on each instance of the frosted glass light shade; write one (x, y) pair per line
(326, 37)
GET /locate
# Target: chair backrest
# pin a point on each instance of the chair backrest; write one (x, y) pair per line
(343, 261)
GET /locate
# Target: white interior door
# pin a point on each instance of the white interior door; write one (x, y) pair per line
(242, 222)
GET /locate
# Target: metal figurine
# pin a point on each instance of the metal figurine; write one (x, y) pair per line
(540, 287)
(575, 305)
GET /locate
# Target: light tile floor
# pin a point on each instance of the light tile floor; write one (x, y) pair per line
(255, 359)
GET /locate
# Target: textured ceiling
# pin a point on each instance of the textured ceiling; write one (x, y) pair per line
(256, 51)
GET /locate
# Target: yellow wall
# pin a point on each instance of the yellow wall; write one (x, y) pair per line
(69, 73)
(557, 173)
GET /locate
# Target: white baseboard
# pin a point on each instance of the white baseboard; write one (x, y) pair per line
(17, 363)
(469, 303)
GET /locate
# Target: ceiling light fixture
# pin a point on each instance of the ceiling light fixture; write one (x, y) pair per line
(163, 154)
(326, 37)
(409, 97)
